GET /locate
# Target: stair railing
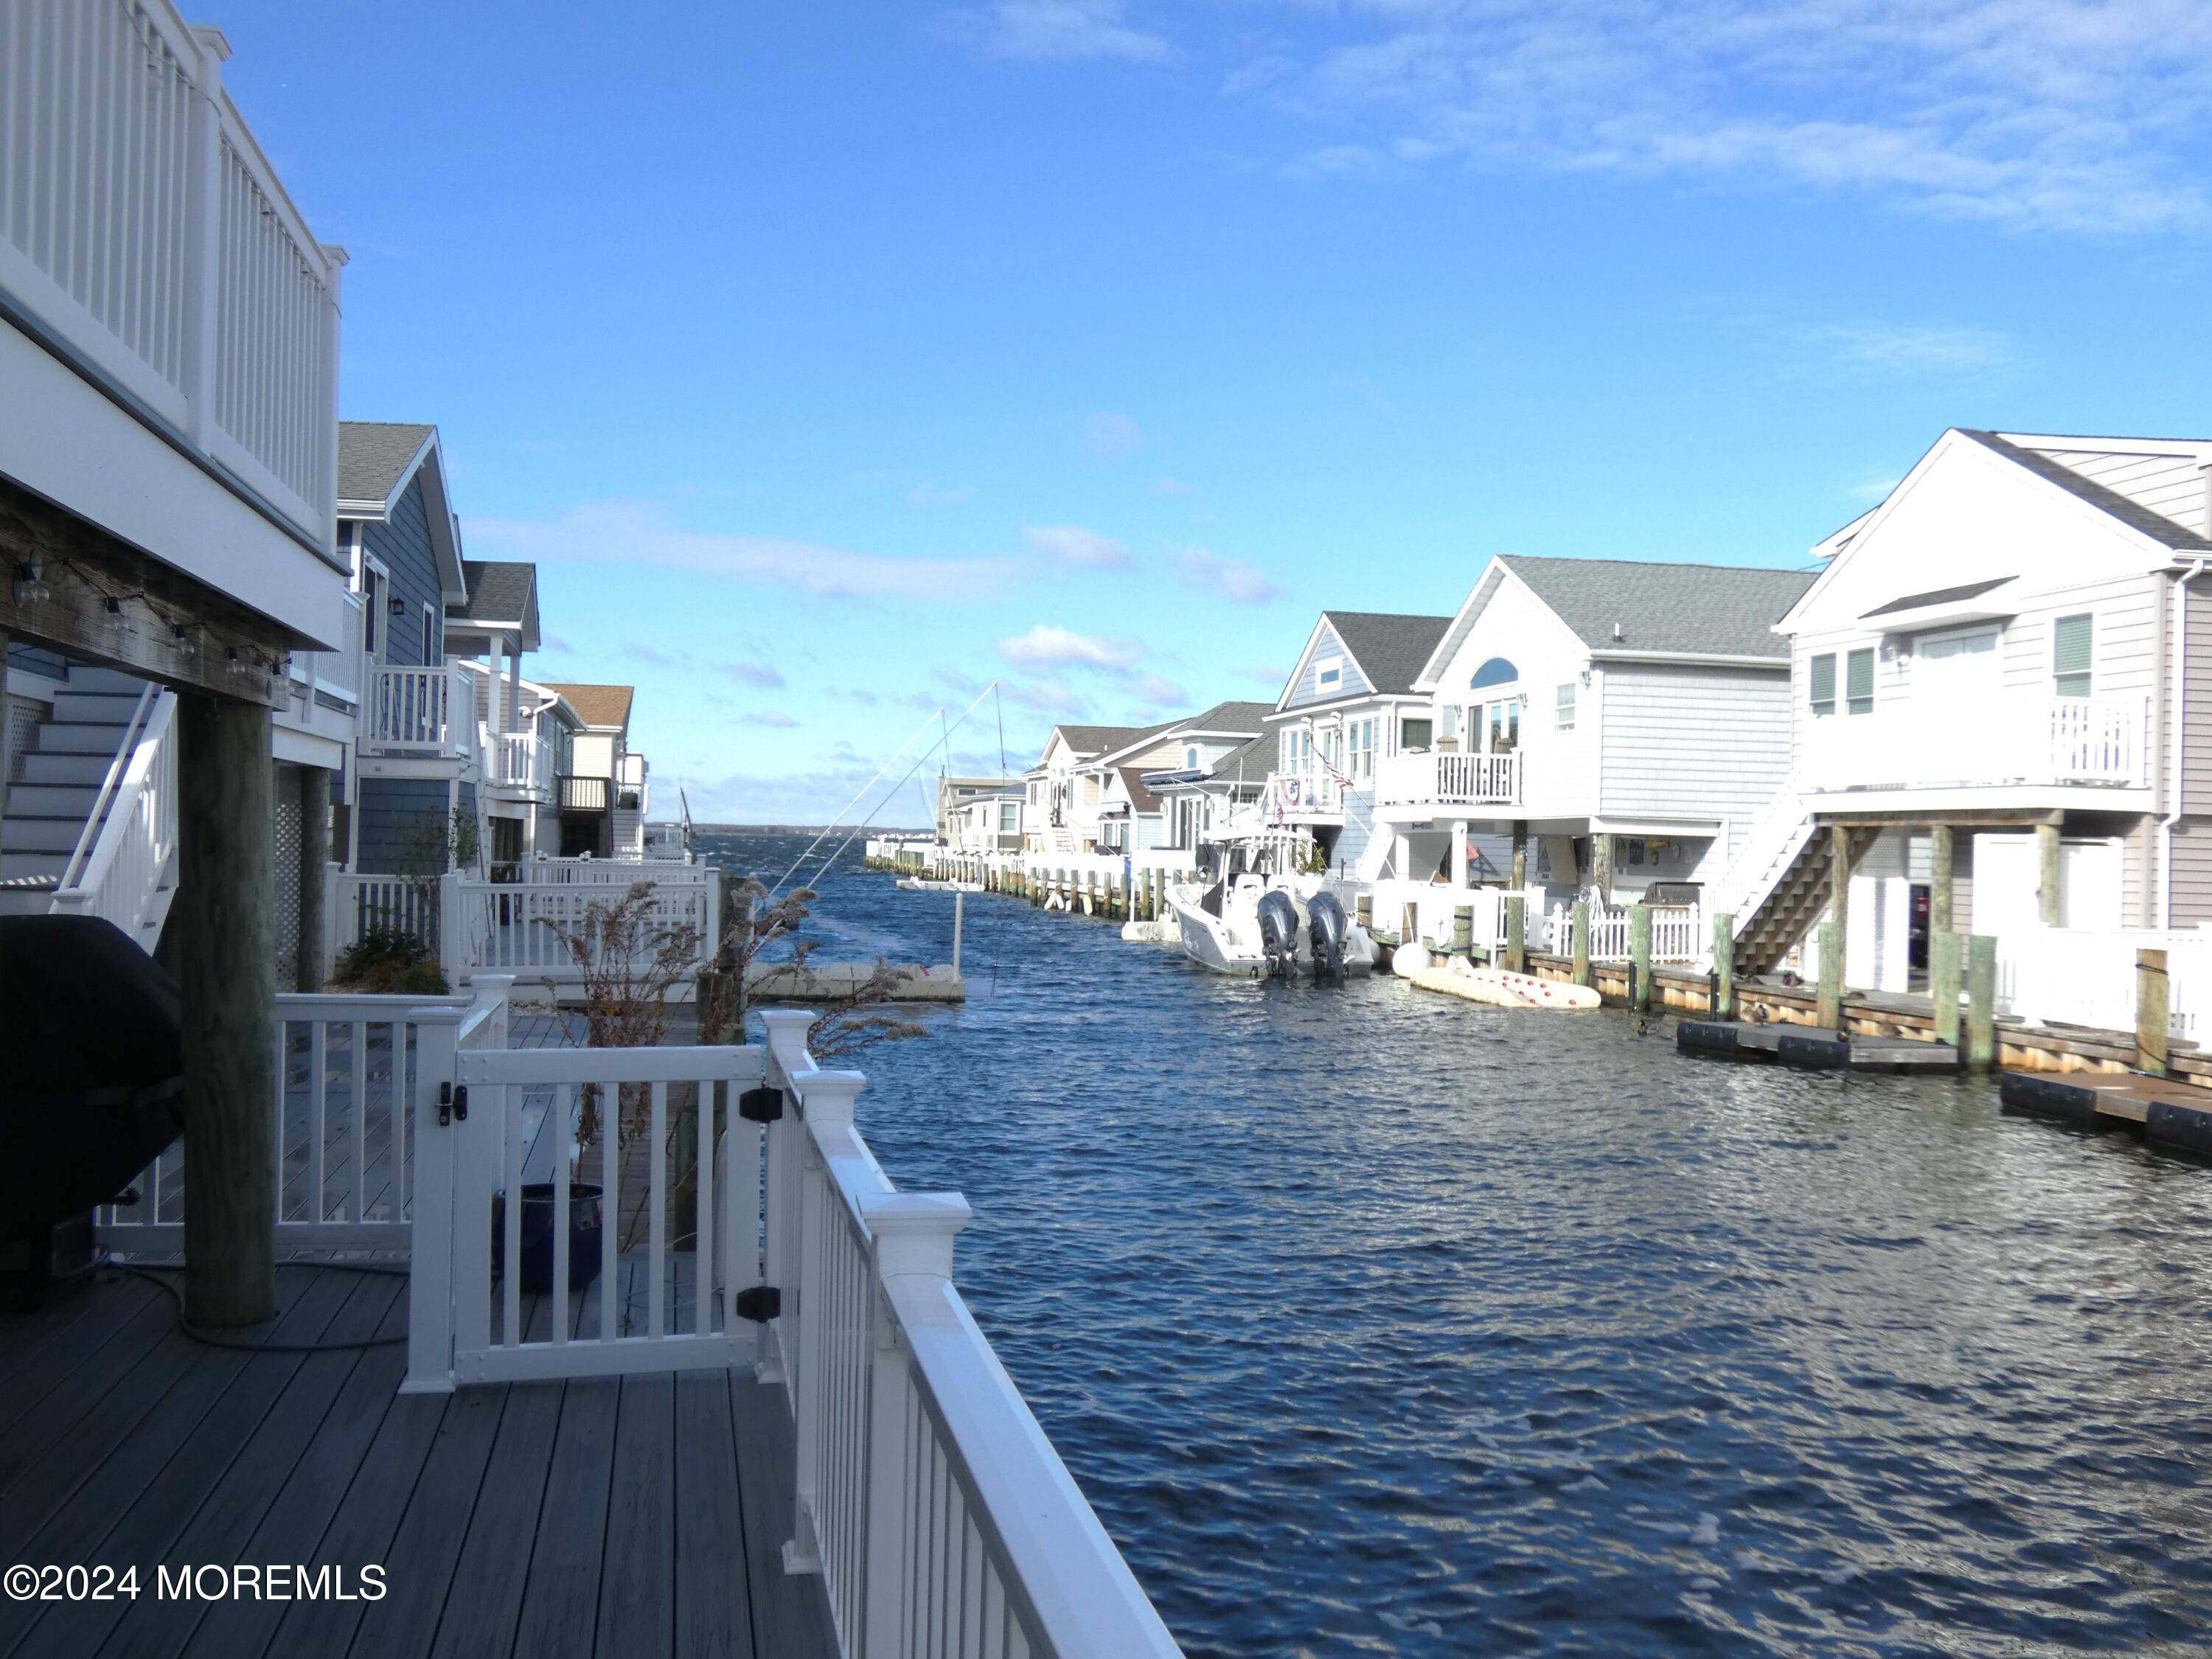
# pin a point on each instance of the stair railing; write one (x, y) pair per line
(1769, 848)
(128, 849)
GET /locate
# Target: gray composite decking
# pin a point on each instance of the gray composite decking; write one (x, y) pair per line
(639, 1516)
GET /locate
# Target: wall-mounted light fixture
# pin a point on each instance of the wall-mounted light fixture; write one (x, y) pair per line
(30, 588)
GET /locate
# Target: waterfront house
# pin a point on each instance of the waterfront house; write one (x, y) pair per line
(2001, 709)
(1059, 812)
(1619, 724)
(603, 782)
(490, 631)
(1218, 801)
(1132, 815)
(1349, 706)
(987, 827)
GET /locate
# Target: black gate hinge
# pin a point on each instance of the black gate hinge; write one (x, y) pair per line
(760, 1105)
(452, 1102)
(760, 1304)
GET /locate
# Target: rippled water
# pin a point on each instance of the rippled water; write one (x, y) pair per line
(1374, 1322)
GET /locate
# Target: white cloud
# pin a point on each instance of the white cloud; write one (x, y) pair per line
(774, 717)
(1107, 436)
(1266, 673)
(2078, 115)
(1071, 544)
(930, 495)
(1174, 487)
(1056, 32)
(1893, 349)
(620, 532)
(1052, 699)
(1152, 689)
(1871, 490)
(1235, 580)
(1048, 646)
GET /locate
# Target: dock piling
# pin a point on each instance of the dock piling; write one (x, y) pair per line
(1463, 930)
(1946, 956)
(1981, 1002)
(1829, 1008)
(1579, 921)
(2153, 1012)
(1517, 934)
(1723, 991)
(1639, 955)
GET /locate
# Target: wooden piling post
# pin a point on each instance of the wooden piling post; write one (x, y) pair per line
(1828, 1013)
(1601, 866)
(1946, 960)
(2050, 897)
(1723, 993)
(2153, 1012)
(226, 891)
(1981, 1002)
(314, 876)
(1463, 930)
(1363, 911)
(1939, 883)
(1578, 920)
(1517, 934)
(1520, 855)
(1639, 955)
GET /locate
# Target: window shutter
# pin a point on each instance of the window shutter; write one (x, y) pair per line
(1824, 684)
(2071, 644)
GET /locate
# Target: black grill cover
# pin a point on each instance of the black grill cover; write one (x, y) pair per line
(91, 1066)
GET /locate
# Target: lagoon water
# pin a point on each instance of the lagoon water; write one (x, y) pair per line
(1373, 1323)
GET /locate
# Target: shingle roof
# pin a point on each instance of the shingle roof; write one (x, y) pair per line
(1141, 800)
(1088, 740)
(1249, 718)
(2156, 526)
(1391, 650)
(373, 457)
(597, 705)
(1670, 610)
(1251, 761)
(499, 590)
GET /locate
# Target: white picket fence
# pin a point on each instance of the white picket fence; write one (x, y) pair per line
(1678, 932)
(1436, 911)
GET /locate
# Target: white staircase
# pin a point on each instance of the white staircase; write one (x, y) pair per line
(1776, 885)
(91, 823)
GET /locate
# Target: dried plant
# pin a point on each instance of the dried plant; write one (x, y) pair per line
(630, 960)
(751, 922)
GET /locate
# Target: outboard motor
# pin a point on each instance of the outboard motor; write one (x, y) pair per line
(1327, 929)
(1278, 934)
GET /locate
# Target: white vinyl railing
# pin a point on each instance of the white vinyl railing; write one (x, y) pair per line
(123, 868)
(1677, 933)
(1302, 793)
(518, 760)
(2015, 737)
(2087, 977)
(343, 1074)
(516, 926)
(1442, 779)
(141, 223)
(427, 709)
(355, 904)
(570, 871)
(941, 1519)
(1436, 911)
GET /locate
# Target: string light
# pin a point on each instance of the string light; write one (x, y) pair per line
(30, 586)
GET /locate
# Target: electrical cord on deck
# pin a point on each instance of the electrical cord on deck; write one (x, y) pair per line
(150, 1274)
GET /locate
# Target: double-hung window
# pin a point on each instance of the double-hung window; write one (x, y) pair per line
(1563, 716)
(2071, 644)
(1360, 748)
(1858, 682)
(1822, 678)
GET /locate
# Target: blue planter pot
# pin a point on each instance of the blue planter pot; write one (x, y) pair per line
(584, 1235)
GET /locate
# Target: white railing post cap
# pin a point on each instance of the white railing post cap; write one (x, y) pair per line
(788, 1019)
(827, 1098)
(914, 1231)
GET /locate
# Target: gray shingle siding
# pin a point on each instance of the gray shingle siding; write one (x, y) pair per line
(395, 815)
(403, 546)
(1309, 690)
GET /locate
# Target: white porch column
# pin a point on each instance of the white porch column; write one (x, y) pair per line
(513, 685)
(1459, 853)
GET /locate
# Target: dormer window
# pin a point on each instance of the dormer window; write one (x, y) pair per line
(1190, 758)
(1328, 674)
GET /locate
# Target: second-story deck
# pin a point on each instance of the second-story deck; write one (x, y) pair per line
(2012, 742)
(1441, 779)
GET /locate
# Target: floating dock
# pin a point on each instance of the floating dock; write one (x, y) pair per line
(1812, 1049)
(840, 981)
(2173, 1114)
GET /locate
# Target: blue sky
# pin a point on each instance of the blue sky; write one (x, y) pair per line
(834, 360)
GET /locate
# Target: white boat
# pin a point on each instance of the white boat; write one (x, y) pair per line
(1222, 930)
(924, 884)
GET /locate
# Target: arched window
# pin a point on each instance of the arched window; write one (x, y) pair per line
(1496, 672)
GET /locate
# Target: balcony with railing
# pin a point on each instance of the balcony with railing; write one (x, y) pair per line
(1305, 796)
(2010, 740)
(518, 764)
(147, 238)
(425, 712)
(1448, 779)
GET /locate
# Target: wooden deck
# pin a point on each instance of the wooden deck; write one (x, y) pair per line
(640, 1516)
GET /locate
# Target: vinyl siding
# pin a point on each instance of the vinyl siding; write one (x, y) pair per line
(403, 546)
(36, 660)
(1560, 768)
(1309, 689)
(2192, 872)
(2170, 484)
(2196, 700)
(1692, 743)
(395, 814)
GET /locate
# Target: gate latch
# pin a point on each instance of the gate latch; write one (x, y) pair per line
(760, 1304)
(452, 1102)
(760, 1105)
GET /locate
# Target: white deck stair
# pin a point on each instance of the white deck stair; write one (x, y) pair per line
(90, 825)
(1777, 888)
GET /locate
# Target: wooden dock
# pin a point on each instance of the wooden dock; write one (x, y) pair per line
(1813, 1049)
(2175, 1114)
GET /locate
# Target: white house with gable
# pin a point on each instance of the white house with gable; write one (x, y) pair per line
(1621, 723)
